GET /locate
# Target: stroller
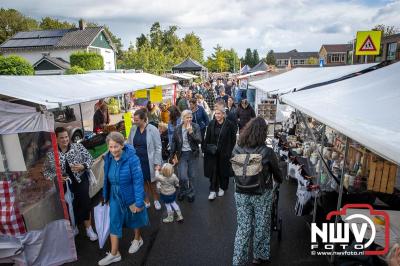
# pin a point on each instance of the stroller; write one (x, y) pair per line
(276, 223)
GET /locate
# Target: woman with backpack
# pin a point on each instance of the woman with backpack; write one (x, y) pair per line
(219, 142)
(254, 165)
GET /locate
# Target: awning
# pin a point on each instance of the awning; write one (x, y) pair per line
(16, 118)
(365, 108)
(302, 77)
(63, 90)
(180, 76)
(251, 74)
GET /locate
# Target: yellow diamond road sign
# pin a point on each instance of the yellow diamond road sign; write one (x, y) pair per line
(368, 42)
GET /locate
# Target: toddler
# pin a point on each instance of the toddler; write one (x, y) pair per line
(167, 183)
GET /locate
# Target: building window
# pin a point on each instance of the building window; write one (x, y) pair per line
(336, 58)
(295, 62)
(302, 62)
(391, 52)
(286, 62)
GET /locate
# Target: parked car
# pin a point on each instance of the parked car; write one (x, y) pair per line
(65, 117)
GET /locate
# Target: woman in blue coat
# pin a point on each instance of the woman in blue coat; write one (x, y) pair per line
(124, 191)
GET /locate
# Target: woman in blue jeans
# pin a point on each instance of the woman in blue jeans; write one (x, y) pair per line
(124, 191)
(185, 148)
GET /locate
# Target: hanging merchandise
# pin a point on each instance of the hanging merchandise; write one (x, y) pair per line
(156, 94)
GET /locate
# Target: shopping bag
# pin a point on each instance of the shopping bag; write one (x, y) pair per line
(102, 221)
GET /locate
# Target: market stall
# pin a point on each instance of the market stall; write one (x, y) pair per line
(346, 146)
(26, 136)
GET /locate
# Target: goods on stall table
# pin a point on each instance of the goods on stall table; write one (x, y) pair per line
(267, 110)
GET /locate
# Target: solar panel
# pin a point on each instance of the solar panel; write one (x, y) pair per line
(40, 34)
(30, 42)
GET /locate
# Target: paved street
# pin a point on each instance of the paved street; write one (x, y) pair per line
(206, 237)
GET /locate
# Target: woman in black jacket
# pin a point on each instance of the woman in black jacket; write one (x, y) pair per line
(219, 142)
(254, 210)
(244, 113)
(231, 111)
(185, 151)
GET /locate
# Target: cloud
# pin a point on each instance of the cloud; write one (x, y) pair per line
(280, 25)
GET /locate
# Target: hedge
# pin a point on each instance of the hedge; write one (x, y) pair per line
(15, 65)
(75, 70)
(87, 61)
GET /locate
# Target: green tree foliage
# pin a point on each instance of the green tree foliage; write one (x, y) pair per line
(12, 21)
(15, 65)
(87, 61)
(270, 59)
(223, 60)
(312, 61)
(48, 23)
(164, 46)
(248, 58)
(75, 70)
(256, 57)
(386, 30)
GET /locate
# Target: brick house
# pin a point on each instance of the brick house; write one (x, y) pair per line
(297, 59)
(49, 51)
(336, 54)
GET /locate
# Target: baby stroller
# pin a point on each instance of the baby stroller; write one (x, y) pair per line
(276, 220)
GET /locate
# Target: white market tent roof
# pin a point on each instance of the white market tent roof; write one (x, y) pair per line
(185, 76)
(251, 74)
(53, 91)
(302, 77)
(365, 108)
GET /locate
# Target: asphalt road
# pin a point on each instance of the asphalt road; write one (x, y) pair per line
(206, 237)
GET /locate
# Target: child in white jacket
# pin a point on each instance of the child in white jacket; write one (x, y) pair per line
(167, 183)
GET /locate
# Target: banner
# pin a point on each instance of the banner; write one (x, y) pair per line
(141, 94)
(128, 123)
(156, 94)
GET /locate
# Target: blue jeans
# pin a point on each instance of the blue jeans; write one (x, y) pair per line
(186, 167)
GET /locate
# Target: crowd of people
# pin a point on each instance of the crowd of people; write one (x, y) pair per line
(157, 165)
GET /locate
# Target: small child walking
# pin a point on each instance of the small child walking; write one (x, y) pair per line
(167, 182)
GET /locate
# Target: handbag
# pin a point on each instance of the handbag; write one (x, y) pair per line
(213, 148)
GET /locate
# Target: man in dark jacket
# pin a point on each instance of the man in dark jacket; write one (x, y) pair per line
(244, 113)
(200, 117)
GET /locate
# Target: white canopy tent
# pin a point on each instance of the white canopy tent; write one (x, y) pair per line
(251, 74)
(63, 90)
(365, 108)
(302, 77)
(16, 118)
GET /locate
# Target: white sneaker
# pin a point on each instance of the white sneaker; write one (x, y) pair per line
(212, 195)
(110, 258)
(220, 193)
(157, 205)
(76, 231)
(136, 244)
(147, 205)
(91, 234)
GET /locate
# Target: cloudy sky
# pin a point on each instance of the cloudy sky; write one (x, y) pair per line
(280, 25)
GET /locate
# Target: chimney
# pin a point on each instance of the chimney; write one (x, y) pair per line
(82, 24)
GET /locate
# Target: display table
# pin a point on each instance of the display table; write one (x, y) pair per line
(394, 228)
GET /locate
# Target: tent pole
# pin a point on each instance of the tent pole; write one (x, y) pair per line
(83, 128)
(3, 156)
(339, 202)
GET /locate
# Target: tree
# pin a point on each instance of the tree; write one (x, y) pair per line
(12, 21)
(223, 60)
(156, 35)
(248, 58)
(75, 70)
(195, 49)
(312, 61)
(256, 57)
(48, 23)
(386, 30)
(87, 61)
(270, 59)
(141, 41)
(15, 65)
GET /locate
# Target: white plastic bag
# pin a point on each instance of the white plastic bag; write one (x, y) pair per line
(92, 178)
(102, 221)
